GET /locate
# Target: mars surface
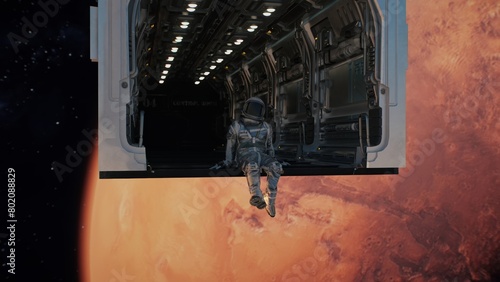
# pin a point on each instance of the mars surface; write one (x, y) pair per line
(438, 220)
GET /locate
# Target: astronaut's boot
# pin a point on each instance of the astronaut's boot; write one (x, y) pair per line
(270, 199)
(258, 202)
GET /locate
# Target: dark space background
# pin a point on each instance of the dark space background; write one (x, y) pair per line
(48, 96)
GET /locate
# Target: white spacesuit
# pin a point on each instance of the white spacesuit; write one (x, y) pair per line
(250, 146)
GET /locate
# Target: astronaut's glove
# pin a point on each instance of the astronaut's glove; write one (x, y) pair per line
(283, 163)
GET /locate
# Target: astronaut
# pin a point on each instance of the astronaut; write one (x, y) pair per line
(250, 147)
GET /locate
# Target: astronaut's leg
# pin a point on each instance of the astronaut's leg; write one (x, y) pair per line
(273, 171)
(252, 172)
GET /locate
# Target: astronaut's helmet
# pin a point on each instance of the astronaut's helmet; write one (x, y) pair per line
(254, 108)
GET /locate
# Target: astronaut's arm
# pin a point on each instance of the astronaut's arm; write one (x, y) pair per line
(230, 146)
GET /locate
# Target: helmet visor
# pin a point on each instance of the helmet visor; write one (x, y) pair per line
(255, 109)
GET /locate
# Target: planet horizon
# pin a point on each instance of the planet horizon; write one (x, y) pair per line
(437, 220)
